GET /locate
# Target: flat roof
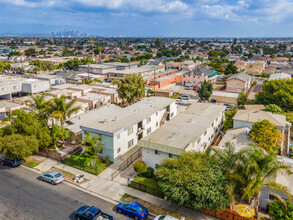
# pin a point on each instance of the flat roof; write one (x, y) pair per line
(114, 119)
(184, 129)
(98, 66)
(170, 76)
(92, 96)
(140, 69)
(159, 74)
(63, 86)
(119, 64)
(9, 104)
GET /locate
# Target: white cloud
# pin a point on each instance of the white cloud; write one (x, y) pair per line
(24, 3)
(142, 5)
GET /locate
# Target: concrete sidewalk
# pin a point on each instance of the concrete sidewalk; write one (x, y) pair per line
(114, 190)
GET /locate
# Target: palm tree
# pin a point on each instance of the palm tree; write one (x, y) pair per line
(38, 104)
(260, 169)
(228, 159)
(63, 110)
(92, 145)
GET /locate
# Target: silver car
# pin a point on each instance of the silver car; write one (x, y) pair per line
(165, 217)
(52, 177)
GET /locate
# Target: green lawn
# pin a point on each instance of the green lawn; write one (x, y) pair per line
(82, 162)
(146, 181)
(32, 163)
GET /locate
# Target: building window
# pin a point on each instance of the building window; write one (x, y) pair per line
(212, 124)
(157, 152)
(198, 141)
(4, 89)
(205, 133)
(118, 150)
(157, 113)
(173, 156)
(172, 114)
(15, 87)
(149, 119)
(149, 130)
(118, 136)
(130, 130)
(157, 124)
(130, 143)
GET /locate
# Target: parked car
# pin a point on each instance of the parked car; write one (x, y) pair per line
(11, 162)
(52, 177)
(184, 97)
(188, 87)
(195, 88)
(132, 209)
(180, 102)
(213, 100)
(165, 217)
(91, 213)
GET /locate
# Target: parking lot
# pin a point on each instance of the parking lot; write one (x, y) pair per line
(181, 89)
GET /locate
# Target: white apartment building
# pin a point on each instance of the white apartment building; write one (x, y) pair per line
(121, 128)
(10, 85)
(97, 68)
(195, 129)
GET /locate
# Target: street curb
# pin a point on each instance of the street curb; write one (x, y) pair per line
(114, 202)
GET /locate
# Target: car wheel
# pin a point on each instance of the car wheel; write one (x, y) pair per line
(119, 211)
(41, 178)
(136, 218)
(77, 218)
(2, 163)
(52, 182)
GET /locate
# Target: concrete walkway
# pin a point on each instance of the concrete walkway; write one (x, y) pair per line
(114, 190)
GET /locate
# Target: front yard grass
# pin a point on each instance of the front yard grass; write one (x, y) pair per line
(150, 182)
(32, 162)
(151, 207)
(82, 162)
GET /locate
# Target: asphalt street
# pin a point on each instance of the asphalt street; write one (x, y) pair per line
(24, 197)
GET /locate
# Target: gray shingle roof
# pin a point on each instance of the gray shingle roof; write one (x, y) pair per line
(241, 76)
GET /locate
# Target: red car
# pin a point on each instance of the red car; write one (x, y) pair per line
(195, 88)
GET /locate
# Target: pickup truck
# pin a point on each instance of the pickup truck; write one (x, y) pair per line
(91, 213)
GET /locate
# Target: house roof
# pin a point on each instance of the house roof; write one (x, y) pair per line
(176, 135)
(114, 119)
(238, 137)
(279, 76)
(200, 71)
(241, 76)
(257, 115)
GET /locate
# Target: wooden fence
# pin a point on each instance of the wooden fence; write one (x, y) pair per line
(56, 155)
(226, 215)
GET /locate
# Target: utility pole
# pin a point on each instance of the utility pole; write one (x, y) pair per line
(88, 71)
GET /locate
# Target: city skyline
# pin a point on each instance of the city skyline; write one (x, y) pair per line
(150, 18)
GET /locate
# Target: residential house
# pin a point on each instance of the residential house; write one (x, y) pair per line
(240, 65)
(240, 82)
(95, 100)
(198, 76)
(277, 76)
(121, 128)
(155, 62)
(189, 65)
(172, 65)
(246, 118)
(257, 59)
(280, 61)
(167, 80)
(121, 66)
(9, 106)
(195, 129)
(100, 69)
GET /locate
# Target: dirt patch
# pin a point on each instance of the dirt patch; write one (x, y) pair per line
(68, 176)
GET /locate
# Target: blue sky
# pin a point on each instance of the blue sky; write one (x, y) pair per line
(150, 18)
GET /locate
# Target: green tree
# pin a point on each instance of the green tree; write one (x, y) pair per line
(62, 109)
(280, 210)
(92, 145)
(228, 160)
(278, 92)
(131, 88)
(18, 146)
(31, 52)
(230, 69)
(274, 109)
(193, 180)
(38, 104)
(205, 91)
(58, 134)
(228, 123)
(14, 53)
(242, 99)
(124, 60)
(267, 136)
(168, 55)
(261, 169)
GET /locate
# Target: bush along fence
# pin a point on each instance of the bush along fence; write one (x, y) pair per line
(145, 188)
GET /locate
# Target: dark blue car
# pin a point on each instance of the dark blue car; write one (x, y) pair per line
(91, 213)
(132, 209)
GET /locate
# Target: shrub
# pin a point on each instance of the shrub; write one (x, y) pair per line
(278, 211)
(105, 159)
(149, 173)
(140, 167)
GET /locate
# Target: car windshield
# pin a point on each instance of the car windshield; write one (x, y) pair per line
(126, 204)
(57, 175)
(141, 208)
(162, 217)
